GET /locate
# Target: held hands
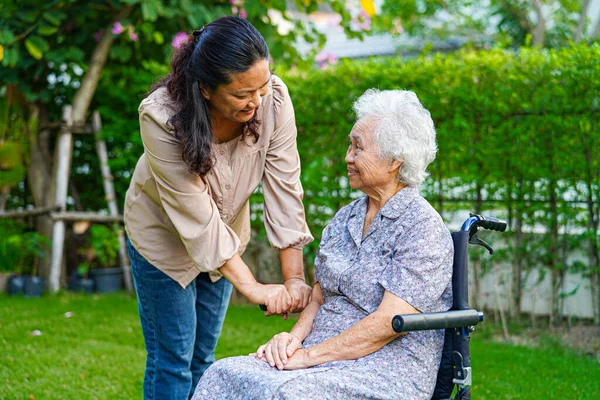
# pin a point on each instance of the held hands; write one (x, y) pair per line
(300, 294)
(283, 351)
(275, 297)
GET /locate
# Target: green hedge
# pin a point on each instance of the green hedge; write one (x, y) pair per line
(518, 132)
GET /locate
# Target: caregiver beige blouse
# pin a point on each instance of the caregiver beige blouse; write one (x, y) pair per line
(184, 224)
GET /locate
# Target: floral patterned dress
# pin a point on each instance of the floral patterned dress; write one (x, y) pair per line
(407, 251)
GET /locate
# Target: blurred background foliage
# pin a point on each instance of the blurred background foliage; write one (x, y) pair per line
(513, 141)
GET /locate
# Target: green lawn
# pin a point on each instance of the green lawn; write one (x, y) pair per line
(98, 353)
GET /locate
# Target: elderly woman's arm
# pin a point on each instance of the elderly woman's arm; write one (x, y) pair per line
(366, 337)
(277, 350)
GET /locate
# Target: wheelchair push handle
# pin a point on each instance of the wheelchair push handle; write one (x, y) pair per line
(493, 224)
(476, 221)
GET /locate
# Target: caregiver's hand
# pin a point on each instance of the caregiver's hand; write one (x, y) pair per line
(278, 350)
(275, 297)
(300, 293)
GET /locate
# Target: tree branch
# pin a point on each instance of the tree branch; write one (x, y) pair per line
(85, 93)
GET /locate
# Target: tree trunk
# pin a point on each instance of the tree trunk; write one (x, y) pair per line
(581, 22)
(40, 180)
(4, 192)
(553, 251)
(539, 32)
(593, 224)
(517, 264)
(41, 183)
(596, 33)
(85, 93)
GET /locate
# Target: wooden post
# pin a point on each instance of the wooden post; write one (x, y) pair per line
(63, 156)
(109, 190)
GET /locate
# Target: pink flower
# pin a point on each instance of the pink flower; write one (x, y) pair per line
(98, 35)
(131, 32)
(362, 21)
(324, 59)
(117, 28)
(179, 39)
(398, 29)
(243, 14)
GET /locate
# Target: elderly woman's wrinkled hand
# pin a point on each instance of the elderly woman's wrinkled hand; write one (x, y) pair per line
(278, 350)
(299, 360)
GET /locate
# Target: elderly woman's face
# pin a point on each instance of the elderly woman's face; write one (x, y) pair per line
(366, 170)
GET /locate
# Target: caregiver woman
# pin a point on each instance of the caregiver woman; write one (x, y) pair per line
(213, 129)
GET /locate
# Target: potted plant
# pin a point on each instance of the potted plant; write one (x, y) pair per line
(33, 245)
(102, 264)
(80, 280)
(26, 249)
(10, 274)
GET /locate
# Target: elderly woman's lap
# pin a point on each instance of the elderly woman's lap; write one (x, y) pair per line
(249, 378)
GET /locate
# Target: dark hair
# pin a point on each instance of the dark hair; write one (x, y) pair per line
(208, 58)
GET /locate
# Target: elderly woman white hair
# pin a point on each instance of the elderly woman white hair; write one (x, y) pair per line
(386, 253)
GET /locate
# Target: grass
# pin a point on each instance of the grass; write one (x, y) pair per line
(98, 353)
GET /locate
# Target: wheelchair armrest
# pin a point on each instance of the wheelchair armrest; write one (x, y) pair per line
(438, 320)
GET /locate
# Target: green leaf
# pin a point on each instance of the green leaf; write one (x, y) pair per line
(6, 36)
(252, 7)
(28, 16)
(47, 30)
(186, 6)
(11, 56)
(148, 11)
(34, 50)
(121, 53)
(54, 17)
(194, 20)
(147, 28)
(158, 37)
(74, 54)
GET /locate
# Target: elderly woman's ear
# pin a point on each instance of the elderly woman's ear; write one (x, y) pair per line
(395, 165)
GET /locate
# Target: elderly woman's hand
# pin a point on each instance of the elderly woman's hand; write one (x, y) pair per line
(299, 360)
(278, 350)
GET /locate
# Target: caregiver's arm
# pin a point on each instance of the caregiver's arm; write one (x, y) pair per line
(367, 336)
(275, 297)
(277, 351)
(292, 268)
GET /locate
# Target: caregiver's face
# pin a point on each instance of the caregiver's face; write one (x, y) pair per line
(238, 100)
(366, 170)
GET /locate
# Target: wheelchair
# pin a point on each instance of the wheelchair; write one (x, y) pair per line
(455, 366)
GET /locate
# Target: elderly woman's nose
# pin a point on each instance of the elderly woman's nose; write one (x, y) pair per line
(349, 156)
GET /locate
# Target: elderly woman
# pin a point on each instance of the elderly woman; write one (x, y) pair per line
(384, 254)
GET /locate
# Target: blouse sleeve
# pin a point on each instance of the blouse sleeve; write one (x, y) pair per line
(420, 271)
(285, 221)
(184, 196)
